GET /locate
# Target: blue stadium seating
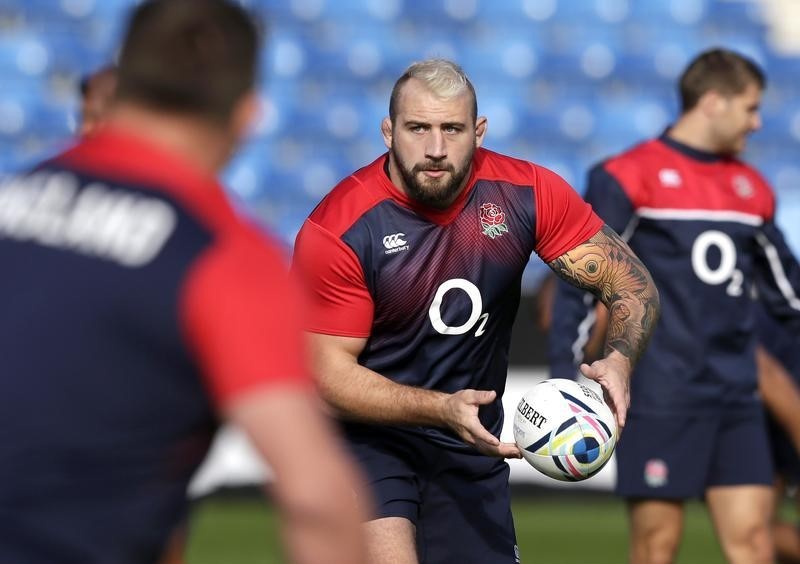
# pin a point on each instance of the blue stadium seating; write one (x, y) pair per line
(564, 83)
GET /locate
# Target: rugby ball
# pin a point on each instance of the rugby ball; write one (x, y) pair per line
(565, 430)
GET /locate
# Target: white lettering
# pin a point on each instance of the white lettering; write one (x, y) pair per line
(117, 225)
(473, 293)
(726, 270)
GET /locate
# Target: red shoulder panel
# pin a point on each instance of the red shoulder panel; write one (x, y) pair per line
(350, 199)
(341, 302)
(242, 317)
(627, 169)
(657, 176)
(563, 219)
(490, 165)
(117, 154)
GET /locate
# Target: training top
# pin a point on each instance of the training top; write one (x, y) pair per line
(704, 227)
(435, 292)
(779, 342)
(135, 305)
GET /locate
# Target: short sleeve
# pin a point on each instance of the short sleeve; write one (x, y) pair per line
(242, 319)
(563, 219)
(340, 301)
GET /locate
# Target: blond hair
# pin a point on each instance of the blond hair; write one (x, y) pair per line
(444, 78)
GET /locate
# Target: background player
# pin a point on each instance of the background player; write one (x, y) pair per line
(702, 221)
(592, 333)
(778, 384)
(137, 307)
(97, 92)
(415, 262)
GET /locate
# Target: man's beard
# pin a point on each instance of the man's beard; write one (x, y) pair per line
(436, 193)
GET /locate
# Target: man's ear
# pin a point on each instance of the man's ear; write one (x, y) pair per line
(245, 114)
(386, 131)
(711, 103)
(480, 130)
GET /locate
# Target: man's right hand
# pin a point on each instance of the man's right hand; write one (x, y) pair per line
(613, 374)
(461, 414)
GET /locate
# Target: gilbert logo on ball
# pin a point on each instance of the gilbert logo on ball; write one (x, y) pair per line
(565, 430)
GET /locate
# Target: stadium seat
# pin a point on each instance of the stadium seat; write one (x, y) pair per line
(562, 82)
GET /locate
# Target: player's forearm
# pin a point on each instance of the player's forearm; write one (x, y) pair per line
(358, 393)
(607, 267)
(323, 521)
(318, 489)
(631, 321)
(780, 394)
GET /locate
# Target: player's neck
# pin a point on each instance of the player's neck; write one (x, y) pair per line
(690, 131)
(202, 144)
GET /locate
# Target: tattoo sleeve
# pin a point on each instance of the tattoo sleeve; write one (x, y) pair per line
(607, 267)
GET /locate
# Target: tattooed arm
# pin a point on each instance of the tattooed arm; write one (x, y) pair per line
(605, 266)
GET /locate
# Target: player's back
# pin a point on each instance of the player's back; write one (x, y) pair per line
(103, 415)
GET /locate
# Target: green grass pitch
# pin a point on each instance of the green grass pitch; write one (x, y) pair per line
(552, 528)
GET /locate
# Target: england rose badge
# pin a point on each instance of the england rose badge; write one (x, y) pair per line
(493, 220)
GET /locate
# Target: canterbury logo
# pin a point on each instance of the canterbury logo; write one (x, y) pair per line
(394, 241)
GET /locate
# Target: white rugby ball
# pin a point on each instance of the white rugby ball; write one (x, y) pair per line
(564, 429)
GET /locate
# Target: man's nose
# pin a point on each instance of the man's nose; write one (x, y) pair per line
(435, 147)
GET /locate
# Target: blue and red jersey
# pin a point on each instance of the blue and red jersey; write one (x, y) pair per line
(136, 304)
(704, 227)
(780, 343)
(435, 292)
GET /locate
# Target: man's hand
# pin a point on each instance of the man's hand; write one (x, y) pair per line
(461, 415)
(613, 374)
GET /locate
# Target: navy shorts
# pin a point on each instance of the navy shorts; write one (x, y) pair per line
(681, 456)
(784, 454)
(460, 502)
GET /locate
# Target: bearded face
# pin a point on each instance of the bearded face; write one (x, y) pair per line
(432, 142)
(433, 183)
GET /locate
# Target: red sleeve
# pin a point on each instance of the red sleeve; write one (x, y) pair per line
(770, 204)
(563, 219)
(340, 300)
(241, 317)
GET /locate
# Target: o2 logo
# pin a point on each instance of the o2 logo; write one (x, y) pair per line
(726, 270)
(476, 315)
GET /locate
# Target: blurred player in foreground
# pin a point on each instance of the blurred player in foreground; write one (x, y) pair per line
(703, 223)
(97, 92)
(138, 308)
(415, 262)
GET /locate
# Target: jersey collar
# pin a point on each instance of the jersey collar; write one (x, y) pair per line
(116, 152)
(691, 152)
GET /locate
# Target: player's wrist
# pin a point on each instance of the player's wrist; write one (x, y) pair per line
(623, 362)
(440, 409)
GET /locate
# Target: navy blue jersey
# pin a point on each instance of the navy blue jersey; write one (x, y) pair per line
(436, 292)
(135, 303)
(779, 342)
(704, 227)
